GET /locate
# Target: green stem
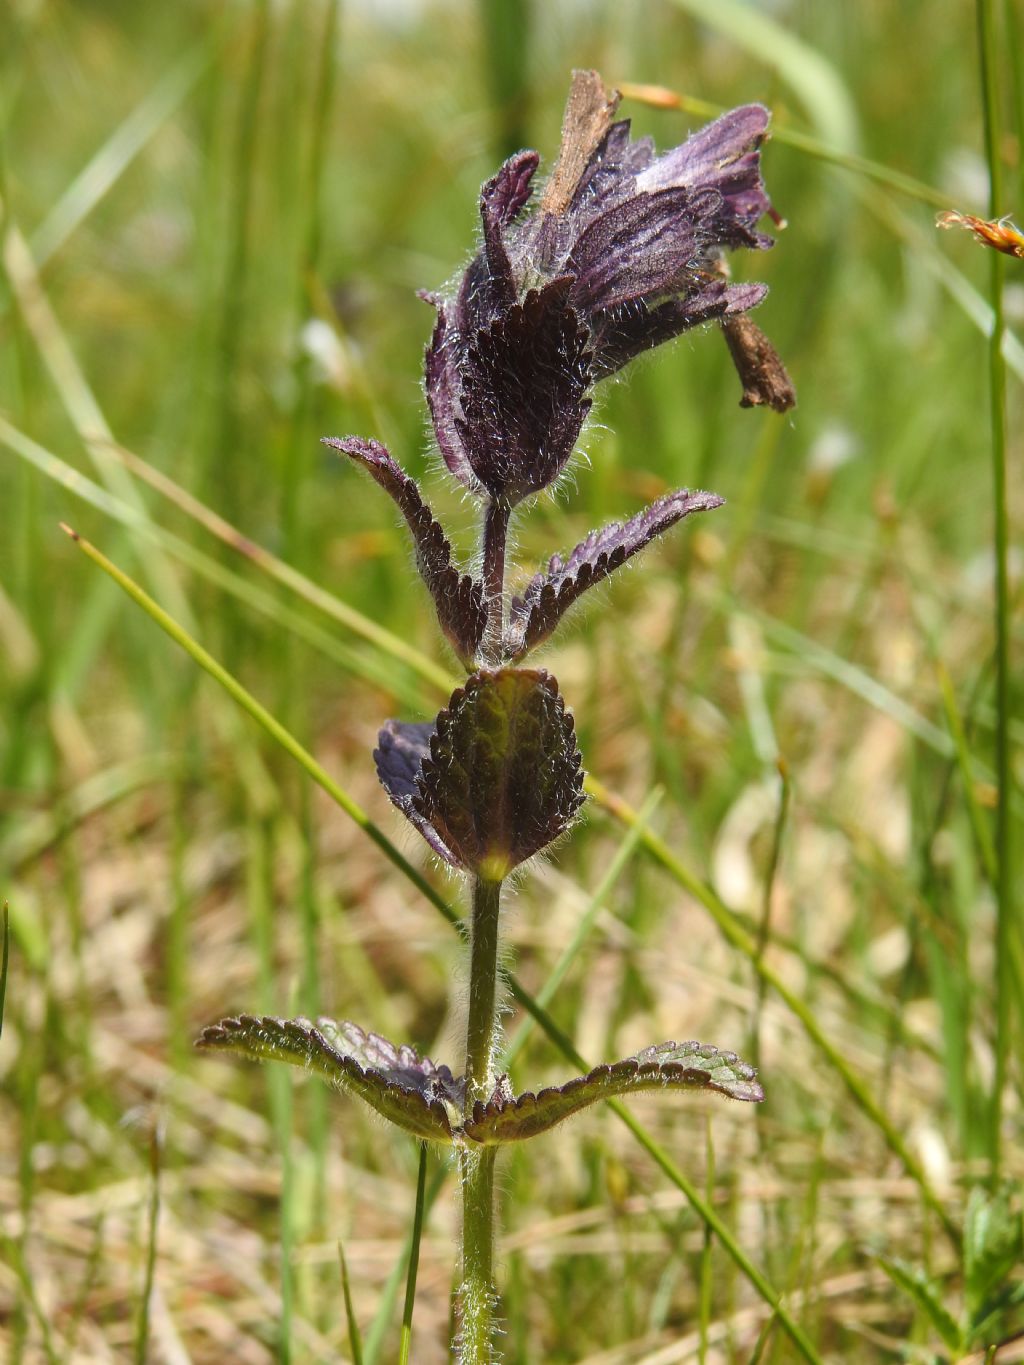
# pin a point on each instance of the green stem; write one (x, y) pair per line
(476, 1164)
(477, 1299)
(483, 986)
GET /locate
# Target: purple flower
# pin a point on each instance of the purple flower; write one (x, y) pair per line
(622, 252)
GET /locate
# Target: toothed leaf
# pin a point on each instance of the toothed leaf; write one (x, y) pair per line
(664, 1066)
(535, 614)
(458, 598)
(497, 777)
(408, 1090)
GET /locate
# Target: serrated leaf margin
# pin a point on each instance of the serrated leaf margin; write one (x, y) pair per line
(688, 1066)
(301, 1042)
(535, 613)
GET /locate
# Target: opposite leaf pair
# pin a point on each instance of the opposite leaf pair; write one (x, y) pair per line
(462, 606)
(428, 1101)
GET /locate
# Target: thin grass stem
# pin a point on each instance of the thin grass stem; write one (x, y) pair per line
(746, 944)
(405, 1340)
(141, 1354)
(1007, 928)
(355, 1341)
(272, 726)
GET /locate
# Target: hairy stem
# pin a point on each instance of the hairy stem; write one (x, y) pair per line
(495, 537)
(483, 985)
(477, 1298)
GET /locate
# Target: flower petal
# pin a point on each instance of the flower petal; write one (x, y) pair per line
(442, 385)
(622, 333)
(488, 287)
(641, 246)
(723, 156)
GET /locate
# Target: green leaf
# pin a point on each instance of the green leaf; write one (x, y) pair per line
(403, 1087)
(993, 1245)
(928, 1297)
(665, 1066)
(502, 778)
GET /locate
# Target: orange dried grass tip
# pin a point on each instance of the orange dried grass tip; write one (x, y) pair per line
(999, 233)
(657, 96)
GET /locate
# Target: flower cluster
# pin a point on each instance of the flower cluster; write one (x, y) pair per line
(622, 252)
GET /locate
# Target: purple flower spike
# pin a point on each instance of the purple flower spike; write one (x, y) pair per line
(622, 252)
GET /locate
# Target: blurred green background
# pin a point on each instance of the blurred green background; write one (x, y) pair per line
(215, 218)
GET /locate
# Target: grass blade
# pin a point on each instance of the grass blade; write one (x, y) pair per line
(352, 661)
(414, 1260)
(355, 1341)
(814, 81)
(741, 940)
(104, 169)
(264, 719)
(379, 1326)
(506, 26)
(1007, 927)
(286, 575)
(152, 1226)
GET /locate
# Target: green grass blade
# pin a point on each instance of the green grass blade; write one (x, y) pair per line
(389, 1294)
(142, 1342)
(385, 640)
(585, 923)
(744, 942)
(355, 1341)
(979, 825)
(813, 80)
(506, 27)
(268, 723)
(350, 660)
(1007, 921)
(405, 1341)
(767, 896)
(104, 169)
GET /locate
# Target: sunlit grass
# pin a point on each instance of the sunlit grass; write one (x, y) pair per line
(180, 195)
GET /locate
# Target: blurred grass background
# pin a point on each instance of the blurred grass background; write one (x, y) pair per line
(214, 221)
